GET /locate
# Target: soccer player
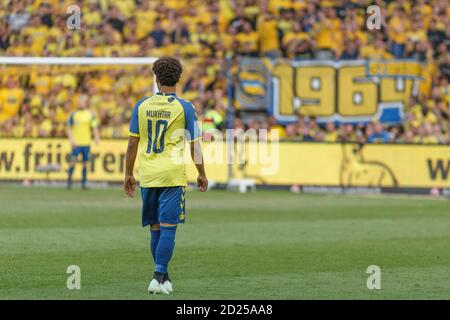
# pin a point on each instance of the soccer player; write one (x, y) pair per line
(159, 126)
(80, 126)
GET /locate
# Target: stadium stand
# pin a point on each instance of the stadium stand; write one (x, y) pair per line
(36, 102)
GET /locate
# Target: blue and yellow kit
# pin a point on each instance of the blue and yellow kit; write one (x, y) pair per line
(81, 122)
(163, 123)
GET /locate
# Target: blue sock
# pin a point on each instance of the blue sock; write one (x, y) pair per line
(69, 179)
(165, 247)
(83, 182)
(154, 239)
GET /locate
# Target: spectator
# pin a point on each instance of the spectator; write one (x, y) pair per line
(277, 128)
(5, 36)
(397, 28)
(158, 33)
(11, 99)
(350, 52)
(292, 40)
(379, 135)
(46, 14)
(444, 67)
(213, 120)
(331, 134)
(248, 40)
(115, 18)
(180, 31)
(268, 35)
(435, 35)
(19, 17)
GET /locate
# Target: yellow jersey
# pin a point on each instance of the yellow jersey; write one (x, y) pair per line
(163, 122)
(11, 100)
(248, 39)
(81, 123)
(268, 35)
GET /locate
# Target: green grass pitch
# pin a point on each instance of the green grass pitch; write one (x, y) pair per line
(262, 245)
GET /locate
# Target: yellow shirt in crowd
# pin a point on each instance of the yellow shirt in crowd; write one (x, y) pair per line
(10, 102)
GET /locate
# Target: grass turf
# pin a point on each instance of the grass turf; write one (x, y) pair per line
(263, 245)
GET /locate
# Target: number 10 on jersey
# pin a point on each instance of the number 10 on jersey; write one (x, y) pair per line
(158, 139)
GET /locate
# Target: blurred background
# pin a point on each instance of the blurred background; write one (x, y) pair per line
(311, 70)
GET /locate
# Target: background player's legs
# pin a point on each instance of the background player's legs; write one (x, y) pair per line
(154, 239)
(85, 152)
(84, 175)
(70, 174)
(73, 160)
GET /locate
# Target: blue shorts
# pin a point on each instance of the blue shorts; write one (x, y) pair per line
(83, 150)
(163, 204)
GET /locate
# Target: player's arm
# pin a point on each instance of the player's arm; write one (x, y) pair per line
(96, 135)
(70, 135)
(197, 157)
(194, 136)
(96, 132)
(130, 183)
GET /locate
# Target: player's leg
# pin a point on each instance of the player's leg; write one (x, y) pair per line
(84, 176)
(85, 153)
(171, 212)
(154, 239)
(166, 245)
(160, 282)
(164, 253)
(150, 217)
(73, 159)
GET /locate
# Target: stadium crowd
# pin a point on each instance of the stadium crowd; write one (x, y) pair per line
(36, 101)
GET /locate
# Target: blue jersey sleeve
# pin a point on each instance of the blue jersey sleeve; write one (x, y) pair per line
(134, 123)
(190, 121)
(70, 120)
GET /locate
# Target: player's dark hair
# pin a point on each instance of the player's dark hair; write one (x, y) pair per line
(167, 70)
